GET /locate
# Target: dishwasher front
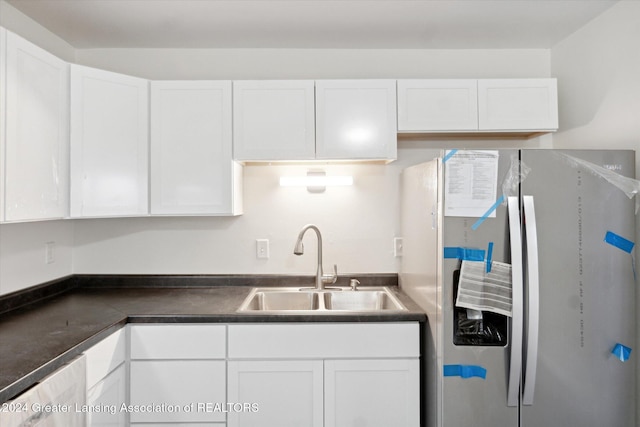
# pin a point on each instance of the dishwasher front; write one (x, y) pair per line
(56, 401)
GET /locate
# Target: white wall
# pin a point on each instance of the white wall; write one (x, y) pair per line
(22, 253)
(22, 246)
(240, 64)
(14, 20)
(598, 71)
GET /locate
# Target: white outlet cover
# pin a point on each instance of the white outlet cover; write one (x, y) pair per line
(262, 248)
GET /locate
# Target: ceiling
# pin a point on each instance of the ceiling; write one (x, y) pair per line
(343, 24)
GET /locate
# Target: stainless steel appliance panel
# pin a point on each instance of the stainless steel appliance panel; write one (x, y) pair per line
(587, 295)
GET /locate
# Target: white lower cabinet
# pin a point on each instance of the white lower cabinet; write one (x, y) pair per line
(178, 374)
(178, 390)
(372, 392)
(107, 381)
(342, 375)
(283, 393)
(105, 400)
(257, 375)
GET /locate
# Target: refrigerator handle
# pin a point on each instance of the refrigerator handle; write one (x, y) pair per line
(515, 363)
(533, 286)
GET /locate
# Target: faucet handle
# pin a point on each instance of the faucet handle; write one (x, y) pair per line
(331, 278)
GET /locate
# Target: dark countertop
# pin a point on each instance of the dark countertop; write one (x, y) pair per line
(38, 338)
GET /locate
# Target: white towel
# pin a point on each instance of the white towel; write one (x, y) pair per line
(479, 290)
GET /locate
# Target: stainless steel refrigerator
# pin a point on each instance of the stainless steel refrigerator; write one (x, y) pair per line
(564, 223)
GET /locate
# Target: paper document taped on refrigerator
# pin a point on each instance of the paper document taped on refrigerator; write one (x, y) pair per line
(479, 290)
(471, 183)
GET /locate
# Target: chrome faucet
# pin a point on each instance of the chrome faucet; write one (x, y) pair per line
(321, 279)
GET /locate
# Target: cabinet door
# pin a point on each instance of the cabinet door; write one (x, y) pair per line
(372, 392)
(178, 384)
(109, 144)
(105, 356)
(518, 104)
(356, 119)
(109, 394)
(283, 393)
(191, 148)
(273, 120)
(36, 148)
(437, 105)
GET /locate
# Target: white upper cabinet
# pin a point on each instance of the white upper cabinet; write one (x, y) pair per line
(35, 148)
(518, 104)
(356, 119)
(109, 143)
(515, 106)
(273, 120)
(192, 171)
(437, 105)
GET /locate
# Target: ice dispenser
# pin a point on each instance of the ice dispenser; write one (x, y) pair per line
(473, 327)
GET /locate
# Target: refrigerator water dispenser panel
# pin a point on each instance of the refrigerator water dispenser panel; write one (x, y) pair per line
(475, 327)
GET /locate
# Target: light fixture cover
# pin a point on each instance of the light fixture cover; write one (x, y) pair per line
(315, 181)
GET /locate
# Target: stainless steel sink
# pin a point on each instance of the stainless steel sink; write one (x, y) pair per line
(327, 301)
(361, 301)
(281, 300)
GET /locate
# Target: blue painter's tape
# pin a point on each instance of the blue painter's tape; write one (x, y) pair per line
(464, 254)
(488, 212)
(464, 371)
(622, 352)
(489, 257)
(619, 241)
(449, 155)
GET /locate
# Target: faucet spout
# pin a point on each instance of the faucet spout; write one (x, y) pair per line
(321, 279)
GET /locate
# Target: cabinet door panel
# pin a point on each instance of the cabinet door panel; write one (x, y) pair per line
(177, 383)
(109, 143)
(109, 393)
(273, 120)
(191, 148)
(375, 393)
(163, 341)
(36, 149)
(437, 105)
(287, 393)
(323, 340)
(105, 356)
(356, 119)
(518, 104)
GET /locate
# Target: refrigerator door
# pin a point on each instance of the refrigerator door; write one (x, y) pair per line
(475, 401)
(586, 287)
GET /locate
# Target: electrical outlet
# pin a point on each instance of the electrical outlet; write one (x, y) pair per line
(397, 247)
(262, 248)
(50, 252)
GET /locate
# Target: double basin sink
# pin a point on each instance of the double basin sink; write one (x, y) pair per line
(326, 301)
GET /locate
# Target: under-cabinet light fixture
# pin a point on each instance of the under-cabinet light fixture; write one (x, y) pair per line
(315, 181)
